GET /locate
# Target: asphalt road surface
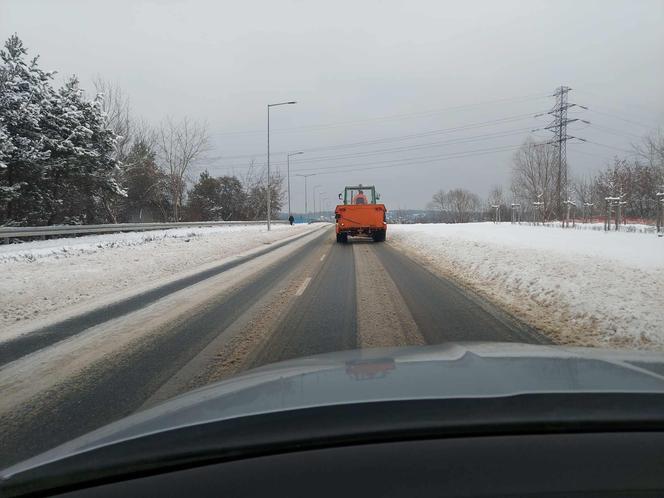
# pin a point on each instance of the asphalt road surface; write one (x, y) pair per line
(306, 297)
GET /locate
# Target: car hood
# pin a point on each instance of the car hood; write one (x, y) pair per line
(455, 370)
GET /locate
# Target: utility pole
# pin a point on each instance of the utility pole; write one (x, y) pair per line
(559, 128)
(323, 206)
(314, 196)
(269, 200)
(306, 209)
(320, 203)
(288, 156)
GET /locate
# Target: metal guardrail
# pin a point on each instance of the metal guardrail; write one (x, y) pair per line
(7, 233)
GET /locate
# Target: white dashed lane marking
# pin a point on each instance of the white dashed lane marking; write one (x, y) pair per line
(301, 288)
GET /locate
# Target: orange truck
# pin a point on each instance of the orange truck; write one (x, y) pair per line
(360, 214)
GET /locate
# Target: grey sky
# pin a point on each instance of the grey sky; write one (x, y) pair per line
(350, 63)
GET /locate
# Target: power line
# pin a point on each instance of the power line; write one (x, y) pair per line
(614, 131)
(427, 145)
(391, 117)
(344, 157)
(605, 158)
(631, 152)
(618, 108)
(406, 162)
(397, 138)
(649, 127)
(410, 161)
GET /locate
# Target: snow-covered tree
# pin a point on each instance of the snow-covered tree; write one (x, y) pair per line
(57, 163)
(5, 145)
(82, 169)
(24, 90)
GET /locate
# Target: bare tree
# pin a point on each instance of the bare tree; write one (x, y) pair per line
(651, 150)
(497, 198)
(534, 176)
(454, 206)
(180, 144)
(256, 193)
(145, 133)
(115, 105)
(652, 184)
(587, 201)
(462, 205)
(439, 205)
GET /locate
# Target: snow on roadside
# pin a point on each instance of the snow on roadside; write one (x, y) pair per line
(41, 278)
(599, 227)
(584, 288)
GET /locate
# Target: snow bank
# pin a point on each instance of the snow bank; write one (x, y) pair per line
(580, 287)
(41, 278)
(599, 227)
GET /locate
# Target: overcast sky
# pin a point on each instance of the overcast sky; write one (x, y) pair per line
(465, 78)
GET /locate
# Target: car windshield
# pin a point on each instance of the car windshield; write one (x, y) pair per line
(193, 191)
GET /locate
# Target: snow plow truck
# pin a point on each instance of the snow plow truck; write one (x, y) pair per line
(360, 214)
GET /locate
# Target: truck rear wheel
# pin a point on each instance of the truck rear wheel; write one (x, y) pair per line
(379, 236)
(342, 238)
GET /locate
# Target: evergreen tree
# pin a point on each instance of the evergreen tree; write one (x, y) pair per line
(82, 171)
(232, 198)
(24, 90)
(205, 199)
(56, 152)
(146, 186)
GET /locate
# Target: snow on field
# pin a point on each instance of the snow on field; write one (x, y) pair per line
(599, 227)
(580, 287)
(42, 278)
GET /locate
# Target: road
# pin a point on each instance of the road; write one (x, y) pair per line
(300, 298)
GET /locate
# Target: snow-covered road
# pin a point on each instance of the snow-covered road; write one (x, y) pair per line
(581, 287)
(51, 279)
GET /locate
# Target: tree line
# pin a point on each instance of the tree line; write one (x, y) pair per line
(69, 159)
(631, 182)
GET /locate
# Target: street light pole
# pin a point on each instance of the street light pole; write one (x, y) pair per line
(314, 196)
(306, 209)
(323, 205)
(288, 176)
(269, 200)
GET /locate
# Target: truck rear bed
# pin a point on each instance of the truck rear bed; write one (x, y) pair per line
(361, 219)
